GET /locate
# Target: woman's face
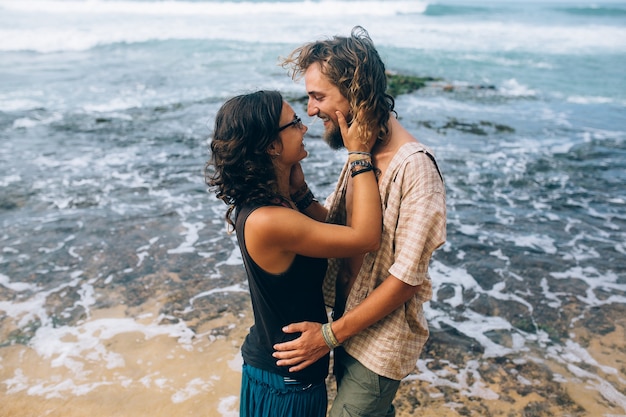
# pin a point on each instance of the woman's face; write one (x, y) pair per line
(291, 147)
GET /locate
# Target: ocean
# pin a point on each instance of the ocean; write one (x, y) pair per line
(121, 292)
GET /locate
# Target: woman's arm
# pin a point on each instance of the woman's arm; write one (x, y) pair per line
(277, 233)
(300, 192)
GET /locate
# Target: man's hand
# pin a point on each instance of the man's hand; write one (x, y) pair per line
(303, 351)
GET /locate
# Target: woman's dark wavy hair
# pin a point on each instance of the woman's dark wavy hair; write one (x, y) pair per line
(354, 66)
(240, 170)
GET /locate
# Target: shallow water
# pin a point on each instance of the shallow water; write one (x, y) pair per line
(122, 293)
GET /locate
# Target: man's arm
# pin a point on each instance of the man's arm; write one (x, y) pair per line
(310, 346)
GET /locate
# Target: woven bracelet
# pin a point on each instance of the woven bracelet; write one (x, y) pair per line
(329, 336)
(305, 201)
(355, 157)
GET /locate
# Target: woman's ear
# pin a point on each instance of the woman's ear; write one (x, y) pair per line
(275, 149)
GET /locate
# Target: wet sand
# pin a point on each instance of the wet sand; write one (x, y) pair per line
(536, 388)
(161, 377)
(530, 386)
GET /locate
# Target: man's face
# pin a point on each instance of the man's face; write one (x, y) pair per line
(324, 100)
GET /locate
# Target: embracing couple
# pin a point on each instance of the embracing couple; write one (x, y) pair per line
(364, 253)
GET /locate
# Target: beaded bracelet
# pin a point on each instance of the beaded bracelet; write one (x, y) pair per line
(329, 336)
(364, 164)
(361, 162)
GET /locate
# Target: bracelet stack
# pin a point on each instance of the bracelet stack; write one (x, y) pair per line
(303, 197)
(329, 336)
(360, 162)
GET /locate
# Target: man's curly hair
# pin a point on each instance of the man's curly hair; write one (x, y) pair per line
(354, 66)
(240, 170)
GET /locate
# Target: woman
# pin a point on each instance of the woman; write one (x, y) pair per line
(257, 147)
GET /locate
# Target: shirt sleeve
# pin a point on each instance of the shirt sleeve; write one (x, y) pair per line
(421, 226)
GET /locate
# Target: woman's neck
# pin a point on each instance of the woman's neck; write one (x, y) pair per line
(283, 190)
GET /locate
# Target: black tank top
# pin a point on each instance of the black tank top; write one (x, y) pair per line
(278, 300)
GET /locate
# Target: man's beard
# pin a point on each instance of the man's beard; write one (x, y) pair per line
(333, 137)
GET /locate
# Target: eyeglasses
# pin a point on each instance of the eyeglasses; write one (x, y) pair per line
(297, 122)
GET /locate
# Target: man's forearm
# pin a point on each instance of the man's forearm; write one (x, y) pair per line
(311, 345)
(390, 295)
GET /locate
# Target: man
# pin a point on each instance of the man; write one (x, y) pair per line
(377, 298)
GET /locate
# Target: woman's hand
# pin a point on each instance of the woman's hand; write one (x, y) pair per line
(350, 134)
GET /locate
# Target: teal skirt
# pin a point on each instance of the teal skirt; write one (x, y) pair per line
(265, 394)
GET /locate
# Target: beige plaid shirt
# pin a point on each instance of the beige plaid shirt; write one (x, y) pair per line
(414, 225)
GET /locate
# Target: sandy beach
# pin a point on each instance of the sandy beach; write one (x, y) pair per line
(161, 377)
